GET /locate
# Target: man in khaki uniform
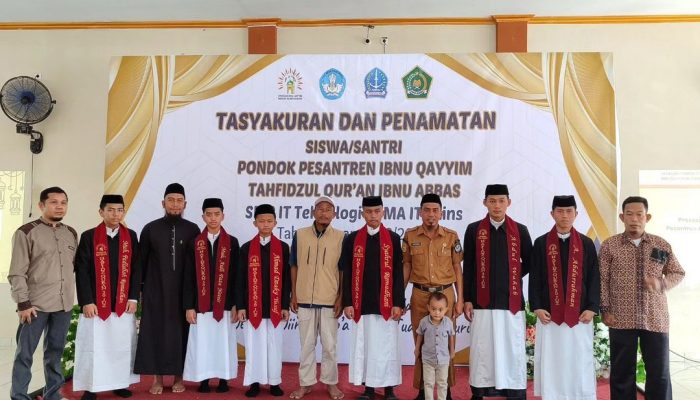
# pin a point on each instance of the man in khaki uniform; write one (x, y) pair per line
(316, 297)
(432, 257)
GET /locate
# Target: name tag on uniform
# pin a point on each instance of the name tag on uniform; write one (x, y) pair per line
(415, 244)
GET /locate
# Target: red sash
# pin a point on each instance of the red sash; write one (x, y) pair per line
(386, 261)
(223, 254)
(255, 282)
(103, 289)
(565, 310)
(483, 262)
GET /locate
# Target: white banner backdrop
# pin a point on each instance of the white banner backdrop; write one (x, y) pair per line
(352, 125)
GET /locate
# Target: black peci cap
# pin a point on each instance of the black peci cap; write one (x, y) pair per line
(111, 199)
(264, 209)
(563, 201)
(496, 190)
(174, 188)
(372, 201)
(212, 203)
(430, 198)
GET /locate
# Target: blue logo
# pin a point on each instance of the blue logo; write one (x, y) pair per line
(376, 82)
(332, 84)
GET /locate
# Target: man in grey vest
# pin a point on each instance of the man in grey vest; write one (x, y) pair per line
(316, 297)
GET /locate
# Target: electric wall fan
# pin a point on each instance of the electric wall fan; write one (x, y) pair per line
(27, 101)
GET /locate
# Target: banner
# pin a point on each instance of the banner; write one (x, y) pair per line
(296, 127)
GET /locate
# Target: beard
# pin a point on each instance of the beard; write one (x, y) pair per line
(173, 217)
(55, 219)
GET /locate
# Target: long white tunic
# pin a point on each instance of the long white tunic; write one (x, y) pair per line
(211, 349)
(497, 351)
(263, 353)
(564, 363)
(375, 359)
(104, 353)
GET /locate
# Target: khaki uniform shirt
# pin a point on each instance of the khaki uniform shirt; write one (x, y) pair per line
(41, 270)
(432, 260)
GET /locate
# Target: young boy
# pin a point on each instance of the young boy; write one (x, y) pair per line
(208, 299)
(263, 288)
(108, 279)
(435, 341)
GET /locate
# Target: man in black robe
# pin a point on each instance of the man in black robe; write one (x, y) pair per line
(162, 342)
(101, 366)
(563, 259)
(375, 253)
(496, 256)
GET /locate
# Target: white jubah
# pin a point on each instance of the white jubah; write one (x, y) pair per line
(263, 353)
(497, 351)
(375, 360)
(211, 349)
(104, 353)
(564, 363)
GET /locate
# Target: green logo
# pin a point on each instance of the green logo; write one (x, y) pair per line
(417, 83)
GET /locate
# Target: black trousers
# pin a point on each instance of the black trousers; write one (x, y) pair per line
(623, 364)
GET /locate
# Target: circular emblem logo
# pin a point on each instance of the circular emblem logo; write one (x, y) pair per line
(332, 84)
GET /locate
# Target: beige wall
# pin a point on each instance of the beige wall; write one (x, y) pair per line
(657, 87)
(657, 73)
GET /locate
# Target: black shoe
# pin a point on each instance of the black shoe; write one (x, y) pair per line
(367, 395)
(88, 396)
(477, 398)
(253, 390)
(448, 396)
(421, 395)
(123, 393)
(223, 386)
(204, 386)
(276, 390)
(389, 393)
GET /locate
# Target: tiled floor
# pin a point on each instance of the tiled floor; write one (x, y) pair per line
(685, 375)
(7, 355)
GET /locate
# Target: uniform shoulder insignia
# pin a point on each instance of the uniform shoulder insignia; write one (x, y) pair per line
(412, 229)
(458, 246)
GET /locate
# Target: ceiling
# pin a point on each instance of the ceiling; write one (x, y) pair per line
(234, 10)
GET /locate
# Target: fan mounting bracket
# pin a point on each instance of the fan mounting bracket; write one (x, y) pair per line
(25, 129)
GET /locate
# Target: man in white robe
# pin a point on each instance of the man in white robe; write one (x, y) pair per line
(263, 287)
(564, 293)
(496, 257)
(208, 298)
(108, 280)
(373, 298)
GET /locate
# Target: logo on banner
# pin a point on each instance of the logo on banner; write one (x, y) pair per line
(417, 83)
(290, 84)
(332, 84)
(376, 82)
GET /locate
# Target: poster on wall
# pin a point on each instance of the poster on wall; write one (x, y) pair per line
(286, 129)
(11, 215)
(669, 192)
